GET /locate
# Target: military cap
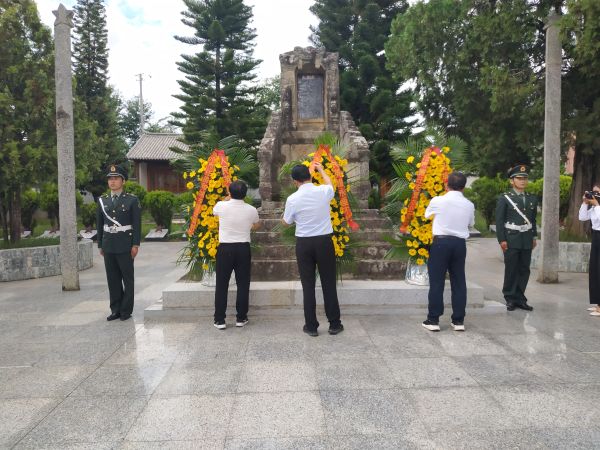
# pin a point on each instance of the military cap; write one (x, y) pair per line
(520, 170)
(115, 170)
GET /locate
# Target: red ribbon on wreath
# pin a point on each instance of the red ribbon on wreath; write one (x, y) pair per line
(339, 176)
(216, 156)
(412, 205)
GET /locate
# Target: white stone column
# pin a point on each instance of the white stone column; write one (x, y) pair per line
(65, 148)
(548, 268)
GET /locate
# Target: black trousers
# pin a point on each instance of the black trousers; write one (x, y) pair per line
(312, 253)
(235, 257)
(119, 274)
(447, 254)
(516, 274)
(594, 269)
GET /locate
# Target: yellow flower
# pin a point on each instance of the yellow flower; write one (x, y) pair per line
(410, 159)
(420, 261)
(412, 252)
(189, 185)
(422, 251)
(185, 175)
(205, 266)
(411, 185)
(408, 175)
(192, 174)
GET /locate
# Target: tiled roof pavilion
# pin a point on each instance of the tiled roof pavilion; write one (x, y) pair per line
(156, 147)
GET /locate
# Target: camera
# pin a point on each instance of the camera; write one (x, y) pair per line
(591, 194)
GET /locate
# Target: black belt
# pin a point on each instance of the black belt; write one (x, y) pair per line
(447, 236)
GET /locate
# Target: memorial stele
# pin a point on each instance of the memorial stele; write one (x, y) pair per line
(310, 106)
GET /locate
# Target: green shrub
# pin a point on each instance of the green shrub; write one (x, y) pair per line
(182, 201)
(537, 188)
(484, 193)
(136, 189)
(49, 202)
(87, 212)
(160, 204)
(30, 201)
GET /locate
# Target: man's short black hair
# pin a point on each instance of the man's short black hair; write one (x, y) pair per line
(300, 173)
(238, 190)
(457, 181)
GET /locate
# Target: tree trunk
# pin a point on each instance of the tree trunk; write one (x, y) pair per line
(4, 216)
(15, 214)
(586, 173)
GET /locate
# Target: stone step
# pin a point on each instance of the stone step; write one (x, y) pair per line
(365, 223)
(287, 269)
(376, 235)
(282, 251)
(279, 294)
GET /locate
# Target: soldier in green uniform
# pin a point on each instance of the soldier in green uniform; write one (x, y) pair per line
(516, 232)
(119, 220)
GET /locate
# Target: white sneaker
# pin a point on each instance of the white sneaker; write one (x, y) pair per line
(457, 326)
(241, 323)
(431, 326)
(595, 313)
(592, 308)
(220, 325)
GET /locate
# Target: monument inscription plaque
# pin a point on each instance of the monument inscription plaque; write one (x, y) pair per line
(310, 97)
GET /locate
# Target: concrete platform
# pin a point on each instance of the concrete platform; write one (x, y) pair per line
(182, 300)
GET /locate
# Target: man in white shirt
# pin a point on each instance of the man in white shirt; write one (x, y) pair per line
(236, 220)
(309, 209)
(590, 210)
(452, 215)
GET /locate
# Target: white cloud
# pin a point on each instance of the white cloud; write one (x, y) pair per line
(141, 40)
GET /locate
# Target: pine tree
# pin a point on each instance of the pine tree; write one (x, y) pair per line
(358, 30)
(90, 50)
(90, 66)
(27, 136)
(217, 93)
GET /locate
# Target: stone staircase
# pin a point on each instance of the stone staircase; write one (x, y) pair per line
(275, 260)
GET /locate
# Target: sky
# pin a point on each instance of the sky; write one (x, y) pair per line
(140, 40)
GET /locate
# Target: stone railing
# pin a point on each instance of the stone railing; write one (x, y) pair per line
(37, 262)
(269, 160)
(572, 256)
(358, 158)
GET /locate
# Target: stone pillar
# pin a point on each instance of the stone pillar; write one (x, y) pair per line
(65, 148)
(548, 268)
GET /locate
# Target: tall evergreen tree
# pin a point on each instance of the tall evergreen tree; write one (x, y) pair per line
(358, 30)
(581, 99)
(90, 66)
(217, 93)
(478, 71)
(129, 118)
(27, 137)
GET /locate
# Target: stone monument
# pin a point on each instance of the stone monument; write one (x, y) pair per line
(310, 96)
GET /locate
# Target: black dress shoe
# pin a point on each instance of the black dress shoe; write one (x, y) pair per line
(113, 316)
(510, 306)
(525, 306)
(312, 333)
(336, 329)
(125, 316)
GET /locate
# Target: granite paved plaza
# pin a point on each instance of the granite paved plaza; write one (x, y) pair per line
(69, 379)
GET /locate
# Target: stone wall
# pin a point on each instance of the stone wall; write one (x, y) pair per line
(573, 256)
(37, 262)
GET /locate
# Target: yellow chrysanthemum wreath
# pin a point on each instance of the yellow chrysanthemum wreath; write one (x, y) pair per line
(341, 236)
(421, 170)
(412, 215)
(204, 240)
